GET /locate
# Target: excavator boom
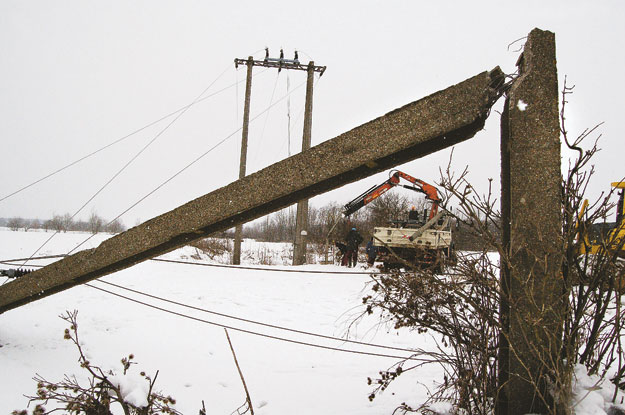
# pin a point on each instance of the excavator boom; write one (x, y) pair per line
(431, 193)
(366, 197)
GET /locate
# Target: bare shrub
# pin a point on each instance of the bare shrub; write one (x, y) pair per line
(265, 256)
(213, 247)
(462, 308)
(58, 223)
(102, 391)
(104, 394)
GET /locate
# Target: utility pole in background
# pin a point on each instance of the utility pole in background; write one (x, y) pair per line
(301, 222)
(238, 230)
(301, 218)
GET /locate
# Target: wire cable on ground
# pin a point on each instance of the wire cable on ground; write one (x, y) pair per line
(201, 156)
(13, 262)
(310, 271)
(257, 322)
(256, 333)
(244, 319)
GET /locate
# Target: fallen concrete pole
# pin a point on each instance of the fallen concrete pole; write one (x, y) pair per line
(438, 121)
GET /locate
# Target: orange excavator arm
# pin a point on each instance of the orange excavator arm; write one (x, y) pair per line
(431, 193)
(418, 185)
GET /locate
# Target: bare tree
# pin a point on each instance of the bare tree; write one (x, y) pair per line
(390, 206)
(67, 222)
(57, 223)
(95, 223)
(32, 224)
(115, 226)
(15, 223)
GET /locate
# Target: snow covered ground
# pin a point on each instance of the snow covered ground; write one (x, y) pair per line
(193, 357)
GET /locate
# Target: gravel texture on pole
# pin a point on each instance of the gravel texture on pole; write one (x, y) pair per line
(533, 294)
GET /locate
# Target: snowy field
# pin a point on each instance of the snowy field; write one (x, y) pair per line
(193, 357)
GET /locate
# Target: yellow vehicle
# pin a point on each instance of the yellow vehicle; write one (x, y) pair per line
(609, 235)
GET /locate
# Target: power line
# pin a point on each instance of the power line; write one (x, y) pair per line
(256, 322)
(288, 116)
(256, 333)
(311, 271)
(132, 159)
(295, 123)
(119, 140)
(247, 320)
(203, 264)
(11, 262)
(262, 134)
(188, 165)
(34, 258)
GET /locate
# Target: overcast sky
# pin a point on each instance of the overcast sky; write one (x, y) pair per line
(78, 75)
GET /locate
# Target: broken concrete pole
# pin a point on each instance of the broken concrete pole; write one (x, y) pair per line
(412, 131)
(532, 288)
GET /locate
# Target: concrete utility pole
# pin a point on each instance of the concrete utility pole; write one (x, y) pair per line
(407, 133)
(301, 220)
(238, 230)
(532, 376)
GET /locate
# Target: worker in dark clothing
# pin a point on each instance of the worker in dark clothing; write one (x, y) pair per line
(353, 240)
(372, 252)
(342, 253)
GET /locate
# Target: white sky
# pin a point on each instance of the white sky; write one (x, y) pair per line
(78, 75)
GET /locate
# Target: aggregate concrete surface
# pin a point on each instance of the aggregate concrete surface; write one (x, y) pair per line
(531, 190)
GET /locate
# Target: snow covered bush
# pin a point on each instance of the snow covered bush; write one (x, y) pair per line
(133, 393)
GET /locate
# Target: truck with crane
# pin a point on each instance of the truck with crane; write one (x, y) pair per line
(422, 239)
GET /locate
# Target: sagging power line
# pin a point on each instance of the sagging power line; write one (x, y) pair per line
(273, 326)
(18, 273)
(303, 343)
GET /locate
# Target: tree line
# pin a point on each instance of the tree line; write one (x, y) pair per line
(326, 223)
(63, 223)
